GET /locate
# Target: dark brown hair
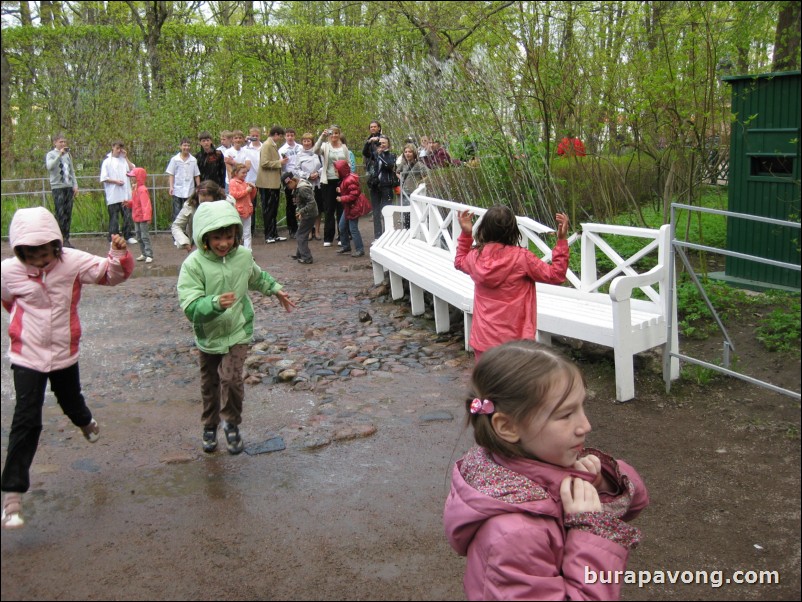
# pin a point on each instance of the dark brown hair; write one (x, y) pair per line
(517, 377)
(22, 251)
(237, 235)
(209, 187)
(498, 225)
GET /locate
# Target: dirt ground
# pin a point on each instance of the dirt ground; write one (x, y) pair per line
(352, 508)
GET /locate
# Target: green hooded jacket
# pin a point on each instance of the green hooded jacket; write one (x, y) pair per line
(204, 277)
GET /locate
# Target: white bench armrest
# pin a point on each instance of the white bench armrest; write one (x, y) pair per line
(622, 286)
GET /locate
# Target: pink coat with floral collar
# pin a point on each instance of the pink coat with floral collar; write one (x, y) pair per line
(506, 516)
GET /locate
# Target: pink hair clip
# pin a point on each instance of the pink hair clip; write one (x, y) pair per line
(479, 406)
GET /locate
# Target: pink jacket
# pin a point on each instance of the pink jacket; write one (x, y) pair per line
(506, 516)
(141, 209)
(43, 304)
(504, 299)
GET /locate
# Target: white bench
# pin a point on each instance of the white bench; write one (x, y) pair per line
(579, 309)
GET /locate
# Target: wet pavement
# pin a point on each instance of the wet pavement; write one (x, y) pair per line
(344, 396)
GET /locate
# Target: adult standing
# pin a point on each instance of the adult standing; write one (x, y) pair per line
(268, 180)
(331, 149)
(211, 163)
(63, 184)
(382, 191)
(290, 150)
(184, 176)
(117, 186)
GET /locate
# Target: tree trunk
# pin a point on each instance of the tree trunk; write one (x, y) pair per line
(786, 40)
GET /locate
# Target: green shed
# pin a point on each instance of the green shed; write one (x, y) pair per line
(764, 176)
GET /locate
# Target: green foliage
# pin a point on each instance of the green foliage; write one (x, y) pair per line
(780, 329)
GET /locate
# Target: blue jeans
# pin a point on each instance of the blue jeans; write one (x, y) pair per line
(350, 233)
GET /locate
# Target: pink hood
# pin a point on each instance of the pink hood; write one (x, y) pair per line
(33, 227)
(139, 174)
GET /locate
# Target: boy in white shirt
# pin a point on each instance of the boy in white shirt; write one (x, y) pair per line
(184, 176)
(117, 186)
(289, 150)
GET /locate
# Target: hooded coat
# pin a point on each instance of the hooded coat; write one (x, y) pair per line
(506, 516)
(141, 208)
(204, 277)
(349, 188)
(44, 326)
(504, 298)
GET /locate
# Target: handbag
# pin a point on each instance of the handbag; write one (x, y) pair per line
(373, 175)
(362, 205)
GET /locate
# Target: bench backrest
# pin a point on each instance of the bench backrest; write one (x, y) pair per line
(435, 222)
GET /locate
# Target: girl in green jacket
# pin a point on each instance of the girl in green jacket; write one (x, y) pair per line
(213, 290)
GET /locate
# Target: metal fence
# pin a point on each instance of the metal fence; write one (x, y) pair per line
(678, 249)
(89, 214)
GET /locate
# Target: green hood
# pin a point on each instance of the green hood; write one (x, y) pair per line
(212, 216)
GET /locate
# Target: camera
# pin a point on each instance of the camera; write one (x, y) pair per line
(66, 149)
(250, 139)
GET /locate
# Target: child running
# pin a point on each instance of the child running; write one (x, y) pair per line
(41, 288)
(531, 506)
(504, 275)
(213, 290)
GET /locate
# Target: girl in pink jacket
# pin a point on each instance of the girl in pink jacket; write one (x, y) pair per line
(539, 515)
(504, 276)
(41, 288)
(141, 212)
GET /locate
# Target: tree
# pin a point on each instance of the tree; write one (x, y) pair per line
(786, 40)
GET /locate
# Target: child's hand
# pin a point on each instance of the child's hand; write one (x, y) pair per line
(187, 248)
(466, 221)
(118, 243)
(284, 299)
(562, 226)
(339, 199)
(226, 300)
(579, 496)
(337, 189)
(592, 465)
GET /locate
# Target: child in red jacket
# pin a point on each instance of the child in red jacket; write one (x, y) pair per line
(142, 212)
(349, 192)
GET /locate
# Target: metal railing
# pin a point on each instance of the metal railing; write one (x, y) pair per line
(678, 248)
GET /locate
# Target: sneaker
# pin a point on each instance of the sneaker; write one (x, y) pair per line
(343, 251)
(358, 254)
(294, 257)
(281, 238)
(339, 244)
(132, 241)
(91, 431)
(141, 258)
(12, 508)
(209, 439)
(305, 261)
(148, 259)
(326, 244)
(270, 241)
(233, 440)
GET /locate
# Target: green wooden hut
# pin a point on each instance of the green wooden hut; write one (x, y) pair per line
(764, 177)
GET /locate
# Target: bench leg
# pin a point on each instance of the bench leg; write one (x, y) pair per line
(624, 375)
(378, 273)
(442, 321)
(396, 286)
(468, 323)
(416, 298)
(543, 337)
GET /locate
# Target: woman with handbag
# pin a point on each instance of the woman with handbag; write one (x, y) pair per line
(382, 182)
(331, 149)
